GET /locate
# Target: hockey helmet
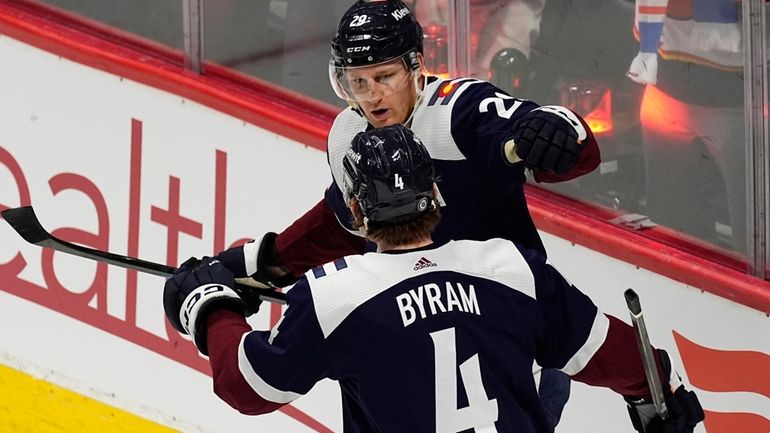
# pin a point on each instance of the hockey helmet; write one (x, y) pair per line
(373, 32)
(389, 171)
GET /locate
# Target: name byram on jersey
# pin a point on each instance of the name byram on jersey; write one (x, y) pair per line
(428, 299)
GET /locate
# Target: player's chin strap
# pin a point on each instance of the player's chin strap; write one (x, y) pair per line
(354, 105)
(418, 90)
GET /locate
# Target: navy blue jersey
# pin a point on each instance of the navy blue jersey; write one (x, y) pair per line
(463, 124)
(439, 339)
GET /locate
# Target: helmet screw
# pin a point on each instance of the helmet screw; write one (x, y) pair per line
(422, 204)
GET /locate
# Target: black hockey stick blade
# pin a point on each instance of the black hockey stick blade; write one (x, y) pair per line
(27, 225)
(25, 222)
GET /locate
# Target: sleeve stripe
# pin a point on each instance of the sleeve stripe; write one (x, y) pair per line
(652, 10)
(651, 18)
(257, 383)
(596, 338)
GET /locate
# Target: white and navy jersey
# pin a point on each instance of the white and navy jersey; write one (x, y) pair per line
(463, 124)
(438, 339)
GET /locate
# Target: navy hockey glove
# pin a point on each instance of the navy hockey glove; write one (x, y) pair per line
(197, 288)
(684, 409)
(250, 263)
(547, 139)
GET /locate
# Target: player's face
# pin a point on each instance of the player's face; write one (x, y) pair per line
(385, 93)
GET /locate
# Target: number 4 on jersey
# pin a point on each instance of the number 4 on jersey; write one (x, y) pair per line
(481, 413)
(399, 181)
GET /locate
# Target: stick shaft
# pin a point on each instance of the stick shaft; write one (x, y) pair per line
(645, 348)
(27, 225)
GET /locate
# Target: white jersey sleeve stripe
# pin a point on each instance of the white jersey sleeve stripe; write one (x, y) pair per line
(595, 340)
(258, 384)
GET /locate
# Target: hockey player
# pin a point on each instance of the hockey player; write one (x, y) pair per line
(692, 115)
(480, 139)
(392, 327)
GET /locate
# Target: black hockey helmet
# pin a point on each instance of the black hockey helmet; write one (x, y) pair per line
(375, 31)
(389, 171)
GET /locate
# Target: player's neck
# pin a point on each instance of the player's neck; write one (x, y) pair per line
(384, 246)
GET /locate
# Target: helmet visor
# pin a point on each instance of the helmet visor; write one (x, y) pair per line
(370, 82)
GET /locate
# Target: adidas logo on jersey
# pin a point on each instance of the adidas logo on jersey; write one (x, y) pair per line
(423, 263)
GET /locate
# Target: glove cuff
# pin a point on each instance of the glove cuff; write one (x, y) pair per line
(249, 263)
(199, 303)
(268, 254)
(260, 254)
(252, 257)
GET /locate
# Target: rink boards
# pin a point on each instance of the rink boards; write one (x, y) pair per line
(144, 170)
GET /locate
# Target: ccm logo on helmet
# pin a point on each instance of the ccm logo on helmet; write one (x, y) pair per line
(400, 13)
(358, 49)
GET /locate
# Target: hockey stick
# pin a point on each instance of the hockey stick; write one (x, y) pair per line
(643, 341)
(26, 224)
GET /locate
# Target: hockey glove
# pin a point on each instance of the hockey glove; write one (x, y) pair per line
(547, 139)
(684, 409)
(196, 289)
(644, 68)
(250, 263)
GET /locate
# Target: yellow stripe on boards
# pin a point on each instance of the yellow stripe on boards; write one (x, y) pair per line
(30, 405)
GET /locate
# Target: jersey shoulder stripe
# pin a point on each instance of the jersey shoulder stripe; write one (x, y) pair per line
(337, 291)
(447, 89)
(321, 271)
(433, 117)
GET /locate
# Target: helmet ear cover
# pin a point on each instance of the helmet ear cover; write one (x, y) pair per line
(412, 60)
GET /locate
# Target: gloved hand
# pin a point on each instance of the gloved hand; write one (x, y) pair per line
(644, 68)
(251, 263)
(547, 139)
(197, 288)
(684, 409)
